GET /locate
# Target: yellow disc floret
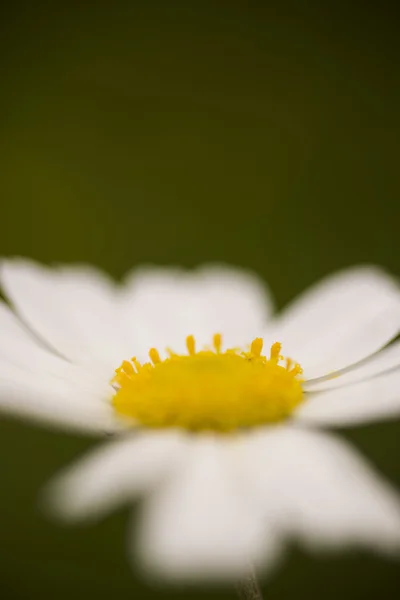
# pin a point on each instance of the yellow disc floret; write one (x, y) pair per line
(209, 389)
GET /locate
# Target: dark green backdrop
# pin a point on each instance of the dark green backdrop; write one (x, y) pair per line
(258, 133)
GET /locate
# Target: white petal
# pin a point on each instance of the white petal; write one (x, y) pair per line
(163, 306)
(115, 473)
(36, 384)
(321, 492)
(374, 399)
(19, 348)
(75, 310)
(70, 405)
(386, 360)
(200, 525)
(340, 321)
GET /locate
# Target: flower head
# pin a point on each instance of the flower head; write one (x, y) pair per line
(209, 390)
(215, 430)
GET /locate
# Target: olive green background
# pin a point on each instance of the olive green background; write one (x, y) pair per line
(262, 134)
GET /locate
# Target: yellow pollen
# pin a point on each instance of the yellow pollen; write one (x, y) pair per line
(275, 352)
(127, 367)
(297, 370)
(154, 356)
(191, 345)
(256, 347)
(217, 342)
(210, 389)
(136, 363)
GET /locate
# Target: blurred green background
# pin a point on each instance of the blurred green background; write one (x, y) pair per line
(262, 134)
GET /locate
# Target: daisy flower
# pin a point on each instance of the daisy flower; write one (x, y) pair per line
(224, 440)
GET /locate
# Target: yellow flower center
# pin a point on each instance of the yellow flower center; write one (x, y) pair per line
(209, 389)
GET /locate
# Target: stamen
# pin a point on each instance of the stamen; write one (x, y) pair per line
(256, 346)
(297, 370)
(127, 367)
(289, 363)
(137, 364)
(122, 379)
(154, 356)
(191, 345)
(275, 352)
(217, 342)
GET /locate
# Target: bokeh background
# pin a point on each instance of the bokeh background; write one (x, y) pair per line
(263, 134)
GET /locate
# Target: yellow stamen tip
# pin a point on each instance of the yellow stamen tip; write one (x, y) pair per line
(275, 352)
(297, 370)
(191, 345)
(137, 364)
(123, 379)
(257, 346)
(127, 367)
(154, 356)
(217, 342)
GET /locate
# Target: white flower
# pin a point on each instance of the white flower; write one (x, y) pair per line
(225, 448)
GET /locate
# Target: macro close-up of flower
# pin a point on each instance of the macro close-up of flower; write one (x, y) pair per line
(219, 408)
(199, 301)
